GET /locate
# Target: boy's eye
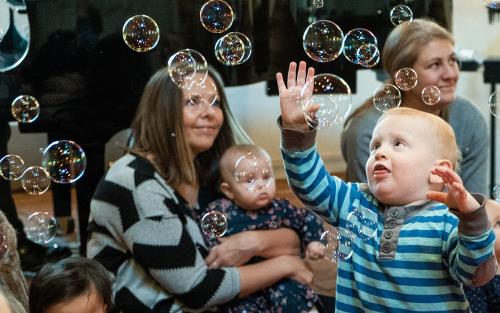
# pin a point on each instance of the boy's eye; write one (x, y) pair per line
(375, 146)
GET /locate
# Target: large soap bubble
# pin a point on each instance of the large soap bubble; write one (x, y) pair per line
(322, 41)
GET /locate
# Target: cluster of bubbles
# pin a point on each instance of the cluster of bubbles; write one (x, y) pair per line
(493, 105)
(41, 227)
(254, 171)
(141, 33)
(337, 242)
(25, 109)
(233, 49)
(214, 224)
(326, 100)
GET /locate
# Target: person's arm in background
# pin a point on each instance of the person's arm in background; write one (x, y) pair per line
(355, 144)
(237, 249)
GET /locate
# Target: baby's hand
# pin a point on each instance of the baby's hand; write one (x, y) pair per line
(457, 197)
(314, 250)
(292, 115)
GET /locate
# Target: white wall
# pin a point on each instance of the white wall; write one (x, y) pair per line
(257, 112)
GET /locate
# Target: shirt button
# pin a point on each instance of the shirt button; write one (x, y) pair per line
(386, 248)
(388, 234)
(394, 214)
(391, 224)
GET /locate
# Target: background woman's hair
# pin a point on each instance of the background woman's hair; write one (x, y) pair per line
(67, 279)
(402, 48)
(158, 129)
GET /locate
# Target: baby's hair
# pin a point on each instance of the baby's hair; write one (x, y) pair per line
(233, 153)
(67, 279)
(442, 133)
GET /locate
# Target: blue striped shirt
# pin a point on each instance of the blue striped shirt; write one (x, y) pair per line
(431, 258)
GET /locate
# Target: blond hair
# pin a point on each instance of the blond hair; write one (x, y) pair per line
(158, 130)
(402, 48)
(441, 131)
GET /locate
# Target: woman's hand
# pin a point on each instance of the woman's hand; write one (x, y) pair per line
(298, 270)
(292, 113)
(457, 197)
(234, 250)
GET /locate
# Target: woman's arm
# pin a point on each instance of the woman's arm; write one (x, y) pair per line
(256, 276)
(237, 249)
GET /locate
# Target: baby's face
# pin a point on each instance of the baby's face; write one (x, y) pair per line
(402, 153)
(252, 183)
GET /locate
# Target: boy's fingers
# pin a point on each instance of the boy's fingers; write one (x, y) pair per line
(281, 83)
(291, 74)
(437, 196)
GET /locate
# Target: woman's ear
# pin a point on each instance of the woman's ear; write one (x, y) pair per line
(436, 179)
(226, 190)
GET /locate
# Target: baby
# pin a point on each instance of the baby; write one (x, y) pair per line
(248, 184)
(432, 236)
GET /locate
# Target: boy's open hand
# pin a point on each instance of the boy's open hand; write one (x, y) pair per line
(457, 197)
(291, 111)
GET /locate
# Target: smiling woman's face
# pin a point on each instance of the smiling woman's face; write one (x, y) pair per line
(437, 65)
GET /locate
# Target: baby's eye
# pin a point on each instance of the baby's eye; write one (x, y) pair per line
(398, 143)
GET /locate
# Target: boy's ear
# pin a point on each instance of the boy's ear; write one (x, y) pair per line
(436, 179)
(226, 190)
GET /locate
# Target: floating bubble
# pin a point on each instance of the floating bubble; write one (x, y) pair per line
(203, 94)
(492, 4)
(141, 33)
(253, 170)
(322, 41)
(337, 245)
(368, 55)
(356, 38)
(41, 227)
(11, 167)
(496, 193)
(493, 105)
(400, 14)
(216, 16)
(363, 223)
(65, 161)
(3, 244)
(214, 224)
(331, 94)
(431, 95)
(406, 78)
(25, 109)
(35, 180)
(386, 97)
(187, 67)
(233, 49)
(317, 4)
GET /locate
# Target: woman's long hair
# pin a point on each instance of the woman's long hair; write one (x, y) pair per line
(158, 130)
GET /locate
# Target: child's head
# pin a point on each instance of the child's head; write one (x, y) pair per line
(72, 285)
(406, 144)
(247, 176)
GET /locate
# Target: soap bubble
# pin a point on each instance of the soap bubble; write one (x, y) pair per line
(400, 14)
(493, 105)
(317, 4)
(322, 41)
(41, 227)
(141, 33)
(368, 55)
(337, 244)
(11, 167)
(203, 94)
(363, 223)
(216, 16)
(187, 67)
(65, 161)
(431, 95)
(25, 109)
(214, 224)
(496, 193)
(35, 180)
(353, 41)
(386, 97)
(406, 78)
(333, 97)
(233, 49)
(253, 170)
